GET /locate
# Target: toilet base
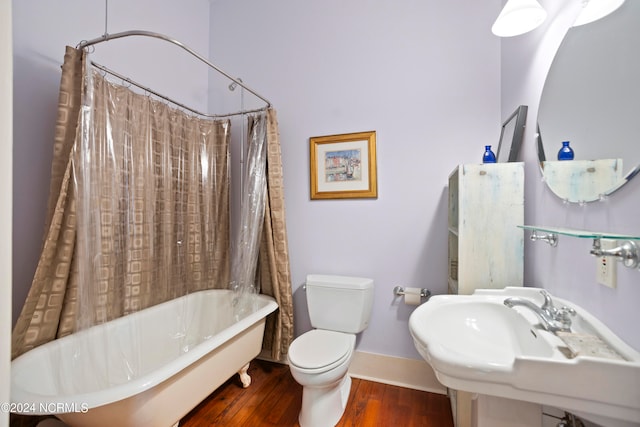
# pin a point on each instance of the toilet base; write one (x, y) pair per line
(324, 406)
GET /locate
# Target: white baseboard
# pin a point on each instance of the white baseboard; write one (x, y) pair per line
(409, 373)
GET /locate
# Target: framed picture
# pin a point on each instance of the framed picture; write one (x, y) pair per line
(511, 135)
(343, 166)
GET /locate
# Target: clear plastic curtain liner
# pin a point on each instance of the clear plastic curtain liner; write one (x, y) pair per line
(254, 191)
(151, 185)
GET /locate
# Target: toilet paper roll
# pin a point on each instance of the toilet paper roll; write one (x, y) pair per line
(412, 296)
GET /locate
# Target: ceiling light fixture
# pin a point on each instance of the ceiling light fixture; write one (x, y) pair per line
(592, 10)
(518, 17)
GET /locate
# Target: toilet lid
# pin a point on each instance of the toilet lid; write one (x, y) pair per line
(318, 348)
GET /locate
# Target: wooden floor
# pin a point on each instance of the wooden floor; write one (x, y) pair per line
(274, 399)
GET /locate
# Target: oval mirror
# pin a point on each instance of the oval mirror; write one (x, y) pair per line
(591, 98)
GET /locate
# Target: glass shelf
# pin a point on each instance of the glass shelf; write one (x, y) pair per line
(579, 233)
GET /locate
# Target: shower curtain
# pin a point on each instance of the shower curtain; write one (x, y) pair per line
(274, 271)
(160, 209)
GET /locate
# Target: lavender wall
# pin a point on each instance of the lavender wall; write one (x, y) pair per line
(568, 271)
(425, 76)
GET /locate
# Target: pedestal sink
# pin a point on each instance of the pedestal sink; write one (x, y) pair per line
(477, 344)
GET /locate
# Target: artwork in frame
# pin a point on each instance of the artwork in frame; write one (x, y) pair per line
(343, 166)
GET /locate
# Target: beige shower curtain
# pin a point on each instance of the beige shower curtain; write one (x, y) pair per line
(136, 270)
(274, 271)
(42, 319)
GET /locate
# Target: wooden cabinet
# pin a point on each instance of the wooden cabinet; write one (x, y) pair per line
(486, 247)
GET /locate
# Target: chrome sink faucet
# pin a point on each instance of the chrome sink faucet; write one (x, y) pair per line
(553, 319)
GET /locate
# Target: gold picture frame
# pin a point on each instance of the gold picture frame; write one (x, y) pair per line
(343, 166)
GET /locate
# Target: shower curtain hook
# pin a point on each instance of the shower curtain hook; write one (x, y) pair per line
(88, 49)
(234, 85)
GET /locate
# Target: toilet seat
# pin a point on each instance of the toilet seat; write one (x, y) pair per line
(319, 350)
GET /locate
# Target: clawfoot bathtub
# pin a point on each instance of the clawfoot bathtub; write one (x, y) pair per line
(149, 368)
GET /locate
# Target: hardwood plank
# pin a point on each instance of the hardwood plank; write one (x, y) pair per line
(391, 405)
(363, 405)
(231, 404)
(258, 401)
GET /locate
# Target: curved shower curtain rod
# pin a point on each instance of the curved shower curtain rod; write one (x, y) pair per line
(106, 37)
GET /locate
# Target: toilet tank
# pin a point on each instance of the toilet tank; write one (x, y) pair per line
(339, 303)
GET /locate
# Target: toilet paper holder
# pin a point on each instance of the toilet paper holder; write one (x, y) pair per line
(399, 291)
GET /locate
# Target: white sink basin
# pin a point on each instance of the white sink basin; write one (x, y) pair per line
(475, 343)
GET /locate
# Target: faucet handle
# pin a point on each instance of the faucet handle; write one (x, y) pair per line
(548, 303)
(568, 310)
(563, 315)
(564, 312)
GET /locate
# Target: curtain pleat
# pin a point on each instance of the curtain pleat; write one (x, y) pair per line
(274, 268)
(42, 319)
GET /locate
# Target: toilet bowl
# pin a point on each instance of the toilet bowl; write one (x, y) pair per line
(319, 361)
(339, 308)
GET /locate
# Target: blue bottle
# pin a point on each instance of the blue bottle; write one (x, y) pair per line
(566, 152)
(488, 156)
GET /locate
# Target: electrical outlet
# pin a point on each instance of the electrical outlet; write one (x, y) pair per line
(606, 273)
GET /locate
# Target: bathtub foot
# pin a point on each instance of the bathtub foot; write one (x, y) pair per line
(244, 377)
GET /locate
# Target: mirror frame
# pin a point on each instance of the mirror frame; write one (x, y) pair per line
(508, 149)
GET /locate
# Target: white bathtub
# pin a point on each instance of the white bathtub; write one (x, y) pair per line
(146, 369)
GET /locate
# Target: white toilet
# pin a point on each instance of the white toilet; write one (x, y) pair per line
(339, 308)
